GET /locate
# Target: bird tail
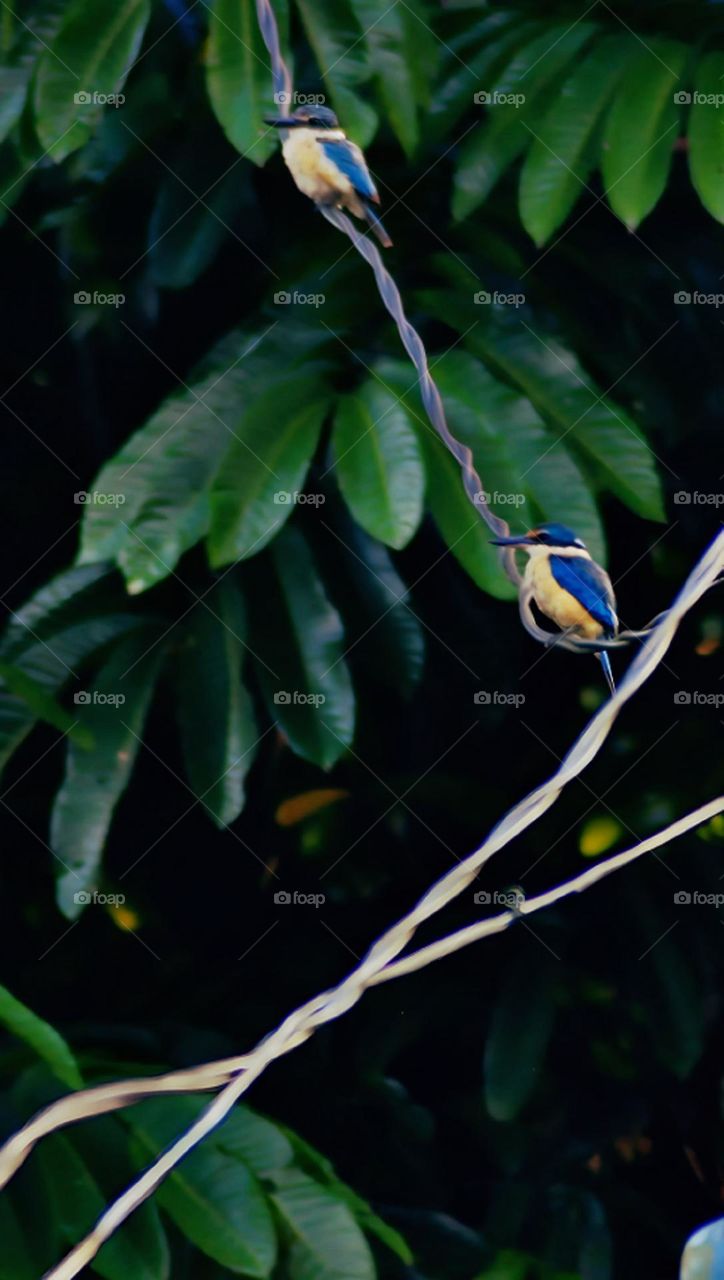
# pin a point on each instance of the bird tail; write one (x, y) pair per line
(605, 663)
(377, 226)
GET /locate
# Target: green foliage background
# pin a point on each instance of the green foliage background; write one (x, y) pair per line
(184, 336)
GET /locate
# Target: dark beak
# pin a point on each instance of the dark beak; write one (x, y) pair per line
(280, 122)
(522, 541)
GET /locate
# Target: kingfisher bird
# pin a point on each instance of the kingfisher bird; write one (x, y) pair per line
(326, 166)
(568, 586)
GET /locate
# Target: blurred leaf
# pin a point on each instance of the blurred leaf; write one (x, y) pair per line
(520, 1028)
(42, 704)
(379, 463)
(92, 53)
(263, 470)
(137, 1249)
(560, 159)
(299, 639)
(489, 150)
(338, 47)
(36, 31)
(95, 781)
(477, 55)
(212, 1197)
(238, 76)
(296, 808)
(598, 835)
(326, 1242)
(55, 605)
(216, 717)
(706, 135)
(44, 1039)
(636, 160)
(400, 49)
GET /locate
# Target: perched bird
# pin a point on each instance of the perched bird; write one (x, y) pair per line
(326, 166)
(567, 585)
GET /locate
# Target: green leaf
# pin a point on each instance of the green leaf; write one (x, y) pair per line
(212, 1197)
(400, 49)
(57, 604)
(326, 1242)
(238, 75)
(706, 135)
(139, 1248)
(216, 717)
(641, 130)
(489, 150)
(42, 704)
(92, 54)
(299, 639)
(36, 32)
(476, 56)
(263, 470)
(520, 1029)
(42, 1038)
(336, 41)
(561, 156)
(379, 463)
(94, 781)
(601, 431)
(161, 478)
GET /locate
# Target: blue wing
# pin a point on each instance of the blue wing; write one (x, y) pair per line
(350, 161)
(589, 584)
